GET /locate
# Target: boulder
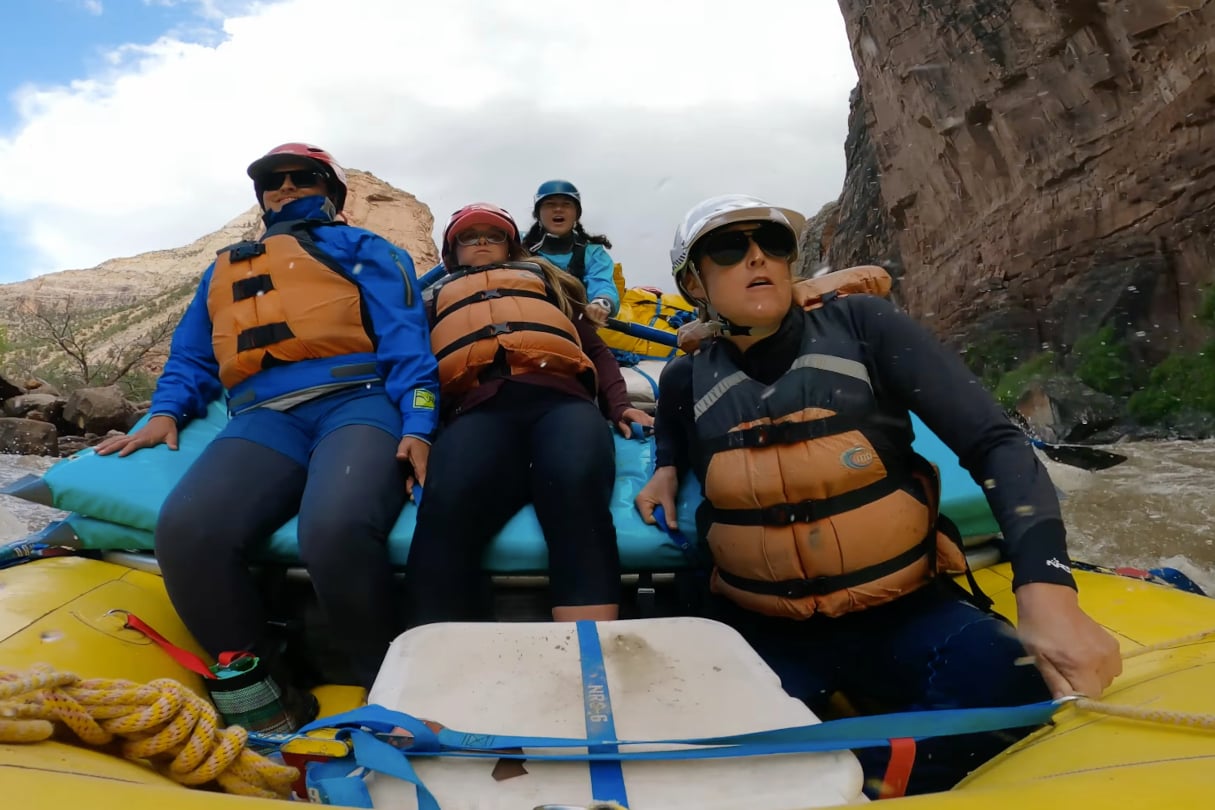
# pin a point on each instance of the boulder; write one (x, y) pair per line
(98, 410)
(27, 437)
(1063, 409)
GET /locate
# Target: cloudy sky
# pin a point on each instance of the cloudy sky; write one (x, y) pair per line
(126, 125)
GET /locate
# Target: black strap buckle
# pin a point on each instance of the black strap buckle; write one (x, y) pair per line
(784, 513)
(496, 329)
(243, 251)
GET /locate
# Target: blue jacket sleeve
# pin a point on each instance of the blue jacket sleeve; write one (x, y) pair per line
(600, 276)
(190, 380)
(386, 275)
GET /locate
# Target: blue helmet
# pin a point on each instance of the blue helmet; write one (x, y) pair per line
(555, 188)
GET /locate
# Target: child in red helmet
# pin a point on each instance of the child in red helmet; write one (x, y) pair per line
(520, 371)
(317, 336)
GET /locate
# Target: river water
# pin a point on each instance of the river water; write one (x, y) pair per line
(1155, 509)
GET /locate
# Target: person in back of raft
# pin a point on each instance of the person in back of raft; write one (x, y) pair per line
(821, 519)
(557, 235)
(318, 336)
(520, 369)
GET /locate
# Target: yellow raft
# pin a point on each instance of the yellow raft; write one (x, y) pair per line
(1149, 743)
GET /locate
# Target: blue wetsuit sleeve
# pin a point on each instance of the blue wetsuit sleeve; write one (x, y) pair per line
(600, 276)
(190, 380)
(386, 275)
(917, 371)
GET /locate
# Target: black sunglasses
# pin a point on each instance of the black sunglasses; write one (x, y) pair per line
(728, 248)
(300, 178)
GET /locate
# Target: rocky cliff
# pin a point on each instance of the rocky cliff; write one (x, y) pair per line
(1035, 169)
(116, 303)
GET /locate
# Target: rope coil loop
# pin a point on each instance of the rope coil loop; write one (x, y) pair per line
(161, 722)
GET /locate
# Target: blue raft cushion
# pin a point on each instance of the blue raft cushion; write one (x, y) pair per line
(115, 502)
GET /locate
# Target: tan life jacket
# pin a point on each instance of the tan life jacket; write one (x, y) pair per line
(813, 505)
(504, 315)
(278, 301)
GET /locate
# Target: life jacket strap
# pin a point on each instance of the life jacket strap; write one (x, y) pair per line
(252, 287)
(821, 586)
(489, 295)
(784, 433)
(783, 514)
(259, 337)
(496, 329)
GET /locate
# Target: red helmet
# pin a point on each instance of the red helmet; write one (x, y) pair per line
(285, 153)
(479, 214)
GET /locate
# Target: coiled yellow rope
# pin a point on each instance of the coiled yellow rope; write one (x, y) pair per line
(162, 722)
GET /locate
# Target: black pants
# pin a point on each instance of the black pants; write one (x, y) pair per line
(928, 650)
(527, 444)
(238, 493)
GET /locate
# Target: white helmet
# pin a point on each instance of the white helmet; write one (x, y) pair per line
(725, 209)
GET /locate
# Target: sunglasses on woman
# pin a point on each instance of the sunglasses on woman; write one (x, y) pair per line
(727, 248)
(493, 237)
(300, 178)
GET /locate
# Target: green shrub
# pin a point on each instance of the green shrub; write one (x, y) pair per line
(1184, 381)
(1013, 383)
(1103, 363)
(1206, 307)
(990, 358)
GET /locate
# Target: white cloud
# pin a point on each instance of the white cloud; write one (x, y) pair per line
(93, 7)
(648, 107)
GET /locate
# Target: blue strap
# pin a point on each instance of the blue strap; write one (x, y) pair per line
(850, 732)
(375, 755)
(335, 782)
(625, 359)
(680, 318)
(653, 383)
(607, 778)
(677, 537)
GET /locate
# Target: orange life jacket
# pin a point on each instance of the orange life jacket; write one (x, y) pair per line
(503, 317)
(813, 503)
(280, 300)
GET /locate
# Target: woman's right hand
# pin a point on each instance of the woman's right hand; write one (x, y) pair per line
(660, 490)
(160, 429)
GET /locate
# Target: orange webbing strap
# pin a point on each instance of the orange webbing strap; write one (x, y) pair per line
(898, 770)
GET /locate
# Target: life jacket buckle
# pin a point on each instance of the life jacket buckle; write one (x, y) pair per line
(244, 251)
(488, 294)
(763, 435)
(496, 329)
(801, 588)
(786, 513)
